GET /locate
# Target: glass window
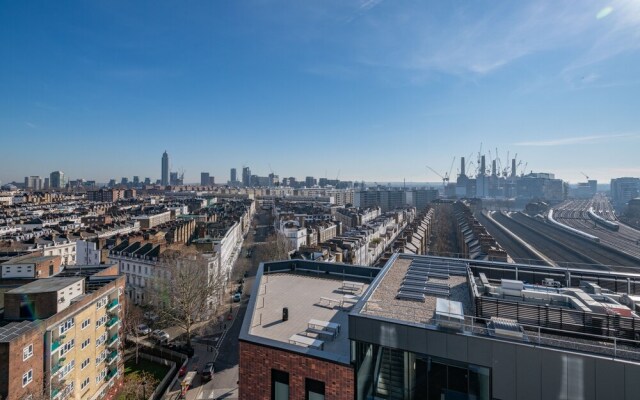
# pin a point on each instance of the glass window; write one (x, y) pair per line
(279, 385)
(27, 378)
(313, 390)
(27, 352)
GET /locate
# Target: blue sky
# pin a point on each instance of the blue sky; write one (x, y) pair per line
(372, 90)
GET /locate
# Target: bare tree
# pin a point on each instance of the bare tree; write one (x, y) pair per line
(189, 288)
(133, 317)
(276, 249)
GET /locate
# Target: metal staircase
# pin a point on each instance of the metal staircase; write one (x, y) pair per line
(390, 384)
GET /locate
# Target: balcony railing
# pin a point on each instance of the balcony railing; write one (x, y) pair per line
(112, 304)
(55, 345)
(111, 374)
(112, 322)
(113, 340)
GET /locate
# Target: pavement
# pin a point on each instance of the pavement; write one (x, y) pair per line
(218, 341)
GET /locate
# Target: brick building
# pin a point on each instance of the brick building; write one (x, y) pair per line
(277, 359)
(60, 336)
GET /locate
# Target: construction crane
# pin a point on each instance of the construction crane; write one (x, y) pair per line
(447, 175)
(444, 179)
(585, 175)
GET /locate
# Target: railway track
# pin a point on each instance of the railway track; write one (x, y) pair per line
(590, 250)
(517, 252)
(574, 214)
(553, 249)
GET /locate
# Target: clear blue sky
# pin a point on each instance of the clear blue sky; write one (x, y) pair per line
(374, 89)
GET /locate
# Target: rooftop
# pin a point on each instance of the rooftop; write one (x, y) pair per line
(11, 330)
(572, 309)
(324, 292)
(45, 285)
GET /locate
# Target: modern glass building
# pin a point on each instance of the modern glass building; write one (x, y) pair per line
(439, 328)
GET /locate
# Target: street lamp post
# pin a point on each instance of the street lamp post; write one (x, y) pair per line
(144, 389)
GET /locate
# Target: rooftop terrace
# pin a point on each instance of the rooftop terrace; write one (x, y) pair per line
(318, 297)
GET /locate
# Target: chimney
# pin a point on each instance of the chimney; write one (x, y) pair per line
(462, 171)
(483, 166)
(513, 168)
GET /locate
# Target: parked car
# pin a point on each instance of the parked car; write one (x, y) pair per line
(182, 348)
(237, 297)
(150, 316)
(207, 371)
(143, 329)
(160, 336)
(182, 372)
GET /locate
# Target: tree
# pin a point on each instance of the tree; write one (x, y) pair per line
(132, 319)
(187, 289)
(277, 249)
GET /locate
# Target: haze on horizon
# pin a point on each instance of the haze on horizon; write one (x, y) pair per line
(375, 90)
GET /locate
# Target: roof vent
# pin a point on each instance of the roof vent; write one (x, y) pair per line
(506, 328)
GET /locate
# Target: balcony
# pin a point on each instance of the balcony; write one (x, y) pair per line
(111, 374)
(112, 304)
(112, 322)
(56, 367)
(55, 345)
(112, 357)
(113, 340)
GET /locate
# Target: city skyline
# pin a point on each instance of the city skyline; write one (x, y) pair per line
(323, 88)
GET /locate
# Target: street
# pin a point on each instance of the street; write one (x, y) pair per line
(219, 342)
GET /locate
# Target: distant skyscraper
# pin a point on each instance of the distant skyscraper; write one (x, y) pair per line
(173, 178)
(204, 179)
(56, 180)
(234, 175)
(246, 176)
(33, 182)
(165, 169)
(136, 180)
(147, 181)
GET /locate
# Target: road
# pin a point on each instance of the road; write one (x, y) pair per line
(219, 342)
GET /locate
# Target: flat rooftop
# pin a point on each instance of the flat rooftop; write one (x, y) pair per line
(385, 301)
(46, 285)
(303, 295)
(310, 290)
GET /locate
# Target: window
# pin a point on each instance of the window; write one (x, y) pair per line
(86, 323)
(102, 302)
(84, 364)
(27, 352)
(84, 383)
(65, 326)
(67, 346)
(313, 390)
(101, 321)
(85, 343)
(27, 378)
(279, 385)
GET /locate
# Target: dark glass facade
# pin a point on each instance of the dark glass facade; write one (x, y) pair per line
(382, 372)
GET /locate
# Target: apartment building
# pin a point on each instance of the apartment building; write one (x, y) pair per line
(150, 221)
(61, 336)
(30, 266)
(425, 327)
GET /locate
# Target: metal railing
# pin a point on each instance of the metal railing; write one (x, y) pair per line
(534, 335)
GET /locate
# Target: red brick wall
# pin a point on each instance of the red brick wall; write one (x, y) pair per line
(257, 361)
(12, 367)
